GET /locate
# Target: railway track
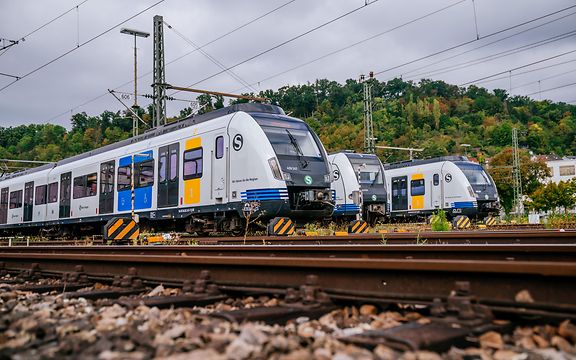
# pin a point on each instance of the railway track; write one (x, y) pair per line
(474, 288)
(391, 238)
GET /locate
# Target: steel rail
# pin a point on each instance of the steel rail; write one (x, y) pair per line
(549, 281)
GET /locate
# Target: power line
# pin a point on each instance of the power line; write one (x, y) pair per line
(526, 72)
(546, 78)
(499, 55)
(210, 57)
(176, 59)
(80, 45)
(359, 42)
(474, 40)
(550, 89)
(488, 44)
(519, 67)
(366, 4)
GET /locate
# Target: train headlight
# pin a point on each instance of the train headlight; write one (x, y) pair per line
(320, 195)
(275, 168)
(287, 176)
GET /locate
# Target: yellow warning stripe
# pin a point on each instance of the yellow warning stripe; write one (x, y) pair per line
(114, 227)
(135, 234)
(128, 227)
(288, 224)
(356, 225)
(278, 224)
(363, 228)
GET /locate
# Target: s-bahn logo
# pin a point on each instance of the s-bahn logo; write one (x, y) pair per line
(448, 177)
(237, 142)
(308, 179)
(336, 174)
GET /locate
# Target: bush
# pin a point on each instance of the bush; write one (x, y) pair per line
(439, 221)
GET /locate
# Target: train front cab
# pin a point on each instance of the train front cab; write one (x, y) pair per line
(483, 187)
(298, 175)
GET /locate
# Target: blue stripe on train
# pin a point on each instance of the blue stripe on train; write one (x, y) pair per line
(346, 208)
(464, 204)
(140, 157)
(142, 199)
(264, 194)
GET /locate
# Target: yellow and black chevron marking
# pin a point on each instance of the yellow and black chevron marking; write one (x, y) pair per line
(490, 221)
(432, 219)
(281, 226)
(358, 227)
(462, 222)
(121, 229)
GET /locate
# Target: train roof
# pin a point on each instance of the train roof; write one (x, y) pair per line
(414, 162)
(251, 108)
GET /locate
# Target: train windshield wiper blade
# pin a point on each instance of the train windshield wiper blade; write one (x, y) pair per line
(303, 161)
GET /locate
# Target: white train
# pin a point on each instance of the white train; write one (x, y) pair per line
(451, 183)
(197, 174)
(358, 184)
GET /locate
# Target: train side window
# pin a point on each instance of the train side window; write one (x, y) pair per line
(53, 192)
(16, 199)
(193, 164)
(173, 165)
(85, 185)
(162, 167)
(219, 147)
(124, 177)
(436, 179)
(144, 173)
(40, 196)
(79, 187)
(417, 187)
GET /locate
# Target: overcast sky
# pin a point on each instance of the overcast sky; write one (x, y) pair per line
(71, 84)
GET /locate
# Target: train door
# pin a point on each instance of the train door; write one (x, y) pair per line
(219, 165)
(28, 201)
(65, 191)
(168, 175)
(399, 193)
(435, 194)
(106, 202)
(4, 206)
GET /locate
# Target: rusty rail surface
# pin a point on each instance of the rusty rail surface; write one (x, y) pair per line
(497, 274)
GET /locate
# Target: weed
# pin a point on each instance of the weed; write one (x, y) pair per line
(439, 221)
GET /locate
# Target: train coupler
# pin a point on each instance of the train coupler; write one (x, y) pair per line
(281, 226)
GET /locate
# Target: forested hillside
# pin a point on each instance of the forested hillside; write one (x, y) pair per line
(430, 114)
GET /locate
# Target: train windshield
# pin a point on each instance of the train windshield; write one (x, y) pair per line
(290, 138)
(370, 171)
(474, 173)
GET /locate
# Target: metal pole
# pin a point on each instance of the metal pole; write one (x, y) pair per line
(132, 186)
(135, 74)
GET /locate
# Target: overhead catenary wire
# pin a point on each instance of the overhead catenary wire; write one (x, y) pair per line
(453, 47)
(526, 72)
(495, 56)
(80, 45)
(453, 56)
(210, 57)
(360, 42)
(553, 88)
(519, 67)
(542, 79)
(366, 4)
(249, 22)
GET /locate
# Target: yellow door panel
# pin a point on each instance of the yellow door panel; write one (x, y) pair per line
(418, 202)
(192, 186)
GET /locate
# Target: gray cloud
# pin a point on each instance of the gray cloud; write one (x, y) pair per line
(107, 62)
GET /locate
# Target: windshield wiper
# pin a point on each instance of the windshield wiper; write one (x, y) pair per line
(294, 143)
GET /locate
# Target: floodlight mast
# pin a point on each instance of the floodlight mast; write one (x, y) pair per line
(135, 33)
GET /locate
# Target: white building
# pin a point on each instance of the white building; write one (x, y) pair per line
(562, 169)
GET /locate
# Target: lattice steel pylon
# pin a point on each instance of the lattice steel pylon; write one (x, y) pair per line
(369, 139)
(517, 179)
(159, 90)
